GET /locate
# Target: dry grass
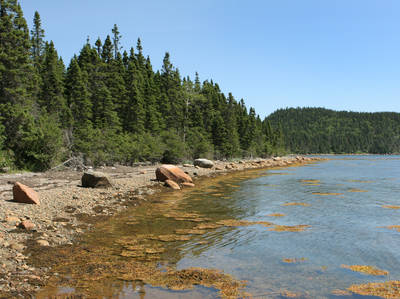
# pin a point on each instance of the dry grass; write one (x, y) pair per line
(387, 289)
(370, 270)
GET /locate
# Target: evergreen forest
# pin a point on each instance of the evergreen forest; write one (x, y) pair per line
(319, 130)
(108, 105)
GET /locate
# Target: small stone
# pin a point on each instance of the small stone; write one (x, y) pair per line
(187, 165)
(17, 246)
(218, 168)
(34, 277)
(12, 219)
(42, 242)
(143, 172)
(26, 224)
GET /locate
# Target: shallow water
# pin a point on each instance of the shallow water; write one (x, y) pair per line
(341, 202)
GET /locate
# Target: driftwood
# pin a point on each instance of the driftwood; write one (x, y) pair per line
(76, 162)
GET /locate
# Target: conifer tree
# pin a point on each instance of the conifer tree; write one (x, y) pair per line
(81, 107)
(231, 144)
(98, 46)
(18, 79)
(172, 93)
(116, 40)
(135, 114)
(51, 96)
(37, 39)
(107, 50)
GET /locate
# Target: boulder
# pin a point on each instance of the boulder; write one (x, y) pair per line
(172, 184)
(24, 194)
(277, 159)
(172, 172)
(203, 163)
(94, 179)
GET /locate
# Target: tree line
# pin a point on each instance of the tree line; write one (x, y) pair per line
(319, 130)
(110, 106)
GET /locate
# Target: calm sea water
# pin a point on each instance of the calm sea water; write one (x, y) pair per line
(348, 226)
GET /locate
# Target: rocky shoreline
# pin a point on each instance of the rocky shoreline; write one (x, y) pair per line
(68, 210)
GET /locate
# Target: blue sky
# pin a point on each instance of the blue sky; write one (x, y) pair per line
(338, 54)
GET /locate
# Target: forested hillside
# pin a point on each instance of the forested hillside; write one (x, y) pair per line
(318, 130)
(109, 105)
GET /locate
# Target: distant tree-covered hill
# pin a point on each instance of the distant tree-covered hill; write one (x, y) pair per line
(319, 130)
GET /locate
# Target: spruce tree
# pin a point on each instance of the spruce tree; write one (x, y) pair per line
(37, 39)
(107, 50)
(51, 96)
(135, 113)
(171, 92)
(81, 107)
(18, 79)
(116, 40)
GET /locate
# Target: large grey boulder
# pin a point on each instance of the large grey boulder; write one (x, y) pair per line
(95, 179)
(204, 163)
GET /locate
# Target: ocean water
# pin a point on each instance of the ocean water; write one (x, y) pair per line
(324, 217)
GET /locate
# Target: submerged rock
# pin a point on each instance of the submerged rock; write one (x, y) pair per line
(204, 163)
(93, 179)
(172, 184)
(172, 172)
(24, 194)
(186, 184)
